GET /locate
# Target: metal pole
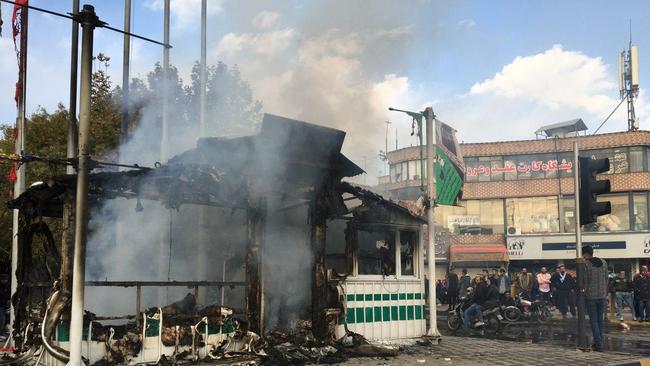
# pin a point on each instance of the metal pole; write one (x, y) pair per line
(126, 58)
(72, 122)
(203, 77)
(580, 262)
(431, 256)
(223, 278)
(19, 185)
(165, 107)
(88, 20)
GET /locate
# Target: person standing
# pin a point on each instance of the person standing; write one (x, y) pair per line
(622, 289)
(452, 288)
(641, 284)
(544, 282)
(464, 282)
(564, 285)
(595, 286)
(524, 281)
(503, 286)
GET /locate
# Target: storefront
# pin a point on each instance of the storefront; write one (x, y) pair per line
(622, 251)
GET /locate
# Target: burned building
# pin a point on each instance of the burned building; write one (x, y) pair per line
(267, 233)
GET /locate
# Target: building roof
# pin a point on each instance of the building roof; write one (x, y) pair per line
(573, 125)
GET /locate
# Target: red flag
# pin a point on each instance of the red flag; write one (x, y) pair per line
(15, 19)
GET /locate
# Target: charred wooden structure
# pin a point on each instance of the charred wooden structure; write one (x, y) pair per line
(296, 161)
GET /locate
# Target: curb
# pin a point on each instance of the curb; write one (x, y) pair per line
(641, 362)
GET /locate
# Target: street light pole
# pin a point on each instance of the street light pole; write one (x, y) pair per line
(431, 252)
(88, 20)
(431, 191)
(580, 262)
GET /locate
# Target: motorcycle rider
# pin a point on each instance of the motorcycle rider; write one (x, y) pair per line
(486, 296)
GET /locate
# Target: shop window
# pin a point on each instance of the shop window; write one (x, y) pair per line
(413, 171)
(408, 244)
(471, 173)
(483, 217)
(484, 169)
(565, 164)
(568, 210)
(636, 159)
(376, 253)
(510, 168)
(496, 164)
(533, 215)
(618, 220)
(523, 167)
(538, 166)
(396, 173)
(640, 211)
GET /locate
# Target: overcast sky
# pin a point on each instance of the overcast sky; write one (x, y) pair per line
(495, 70)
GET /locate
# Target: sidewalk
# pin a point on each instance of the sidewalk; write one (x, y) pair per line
(476, 351)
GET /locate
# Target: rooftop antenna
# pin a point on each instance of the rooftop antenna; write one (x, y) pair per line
(628, 80)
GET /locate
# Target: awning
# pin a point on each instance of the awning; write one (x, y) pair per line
(484, 252)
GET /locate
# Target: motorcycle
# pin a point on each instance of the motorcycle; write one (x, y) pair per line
(526, 309)
(492, 317)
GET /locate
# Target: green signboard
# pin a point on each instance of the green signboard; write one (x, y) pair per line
(449, 166)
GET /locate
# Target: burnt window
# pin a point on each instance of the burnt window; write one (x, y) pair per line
(376, 254)
(407, 245)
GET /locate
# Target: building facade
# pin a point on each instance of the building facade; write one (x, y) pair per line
(518, 204)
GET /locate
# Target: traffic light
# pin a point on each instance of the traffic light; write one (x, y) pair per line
(590, 209)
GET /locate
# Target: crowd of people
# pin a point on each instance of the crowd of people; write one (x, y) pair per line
(559, 289)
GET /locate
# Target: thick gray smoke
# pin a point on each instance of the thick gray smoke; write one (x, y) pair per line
(196, 242)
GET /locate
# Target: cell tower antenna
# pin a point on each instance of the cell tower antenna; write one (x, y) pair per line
(628, 80)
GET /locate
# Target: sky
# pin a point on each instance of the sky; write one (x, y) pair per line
(494, 70)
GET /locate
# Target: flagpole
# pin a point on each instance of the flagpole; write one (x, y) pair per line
(19, 185)
(126, 58)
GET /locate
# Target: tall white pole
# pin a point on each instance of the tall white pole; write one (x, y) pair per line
(431, 257)
(19, 185)
(202, 75)
(72, 121)
(164, 138)
(126, 58)
(88, 22)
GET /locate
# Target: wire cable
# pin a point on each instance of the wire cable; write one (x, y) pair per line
(601, 125)
(101, 24)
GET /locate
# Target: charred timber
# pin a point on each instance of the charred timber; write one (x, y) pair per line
(256, 218)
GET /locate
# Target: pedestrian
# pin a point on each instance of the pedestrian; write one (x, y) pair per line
(452, 288)
(641, 284)
(464, 282)
(544, 283)
(564, 285)
(5, 297)
(503, 286)
(485, 274)
(440, 292)
(595, 290)
(622, 289)
(524, 281)
(493, 277)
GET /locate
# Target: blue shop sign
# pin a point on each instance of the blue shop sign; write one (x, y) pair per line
(595, 245)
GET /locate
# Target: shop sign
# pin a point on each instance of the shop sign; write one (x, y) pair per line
(522, 167)
(646, 246)
(596, 245)
(463, 220)
(522, 247)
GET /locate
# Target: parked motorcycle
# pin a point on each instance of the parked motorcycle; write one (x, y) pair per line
(526, 309)
(491, 317)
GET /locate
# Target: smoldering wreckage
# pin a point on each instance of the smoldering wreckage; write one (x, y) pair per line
(288, 168)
